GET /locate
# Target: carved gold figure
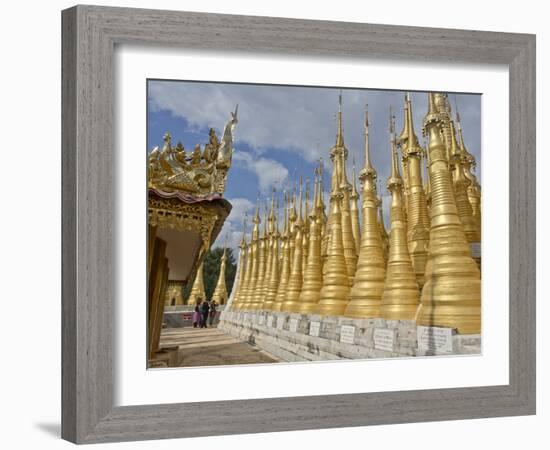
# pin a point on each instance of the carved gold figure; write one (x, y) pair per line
(203, 172)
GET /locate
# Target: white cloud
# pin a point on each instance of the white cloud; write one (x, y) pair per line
(302, 120)
(270, 173)
(241, 206)
(233, 227)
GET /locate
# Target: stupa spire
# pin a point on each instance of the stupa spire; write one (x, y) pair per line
(383, 232)
(335, 291)
(418, 221)
(238, 286)
(461, 184)
(340, 128)
(197, 294)
(469, 164)
(220, 292)
(258, 289)
(294, 286)
(400, 293)
(252, 283)
(313, 277)
(272, 276)
(285, 262)
(354, 211)
(368, 283)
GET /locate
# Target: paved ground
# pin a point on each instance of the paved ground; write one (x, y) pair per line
(211, 347)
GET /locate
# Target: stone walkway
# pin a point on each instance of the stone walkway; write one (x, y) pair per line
(212, 347)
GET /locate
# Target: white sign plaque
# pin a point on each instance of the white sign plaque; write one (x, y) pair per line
(270, 321)
(384, 339)
(347, 334)
(314, 328)
(294, 325)
(280, 323)
(435, 339)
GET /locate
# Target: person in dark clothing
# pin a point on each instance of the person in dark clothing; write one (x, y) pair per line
(196, 316)
(205, 309)
(213, 306)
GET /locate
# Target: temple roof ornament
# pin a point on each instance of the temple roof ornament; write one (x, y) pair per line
(201, 172)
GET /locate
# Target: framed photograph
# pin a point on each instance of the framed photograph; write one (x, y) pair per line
(276, 224)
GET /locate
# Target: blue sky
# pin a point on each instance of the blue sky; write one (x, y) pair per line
(284, 130)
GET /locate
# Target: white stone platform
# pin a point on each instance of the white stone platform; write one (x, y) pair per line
(300, 337)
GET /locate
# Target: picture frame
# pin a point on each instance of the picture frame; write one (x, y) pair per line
(89, 37)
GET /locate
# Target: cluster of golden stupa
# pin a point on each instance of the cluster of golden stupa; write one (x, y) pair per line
(423, 269)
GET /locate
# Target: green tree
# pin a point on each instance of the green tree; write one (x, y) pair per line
(211, 272)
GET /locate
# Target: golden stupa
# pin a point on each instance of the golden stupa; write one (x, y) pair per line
(197, 294)
(313, 272)
(401, 295)
(335, 290)
(418, 221)
(366, 292)
(285, 260)
(294, 286)
(451, 296)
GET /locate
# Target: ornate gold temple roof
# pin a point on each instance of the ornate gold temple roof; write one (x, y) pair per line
(200, 172)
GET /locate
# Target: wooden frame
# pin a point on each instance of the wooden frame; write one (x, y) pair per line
(89, 37)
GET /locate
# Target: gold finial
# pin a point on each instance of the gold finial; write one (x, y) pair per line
(427, 167)
(340, 132)
(368, 164)
(354, 195)
(412, 140)
(318, 201)
(466, 155)
(402, 139)
(299, 220)
(276, 231)
(368, 172)
(455, 152)
(395, 177)
(266, 219)
(306, 215)
(256, 220)
(243, 240)
(224, 246)
(432, 106)
(285, 213)
(271, 218)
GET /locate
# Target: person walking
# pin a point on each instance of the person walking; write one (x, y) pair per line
(213, 307)
(196, 316)
(205, 309)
